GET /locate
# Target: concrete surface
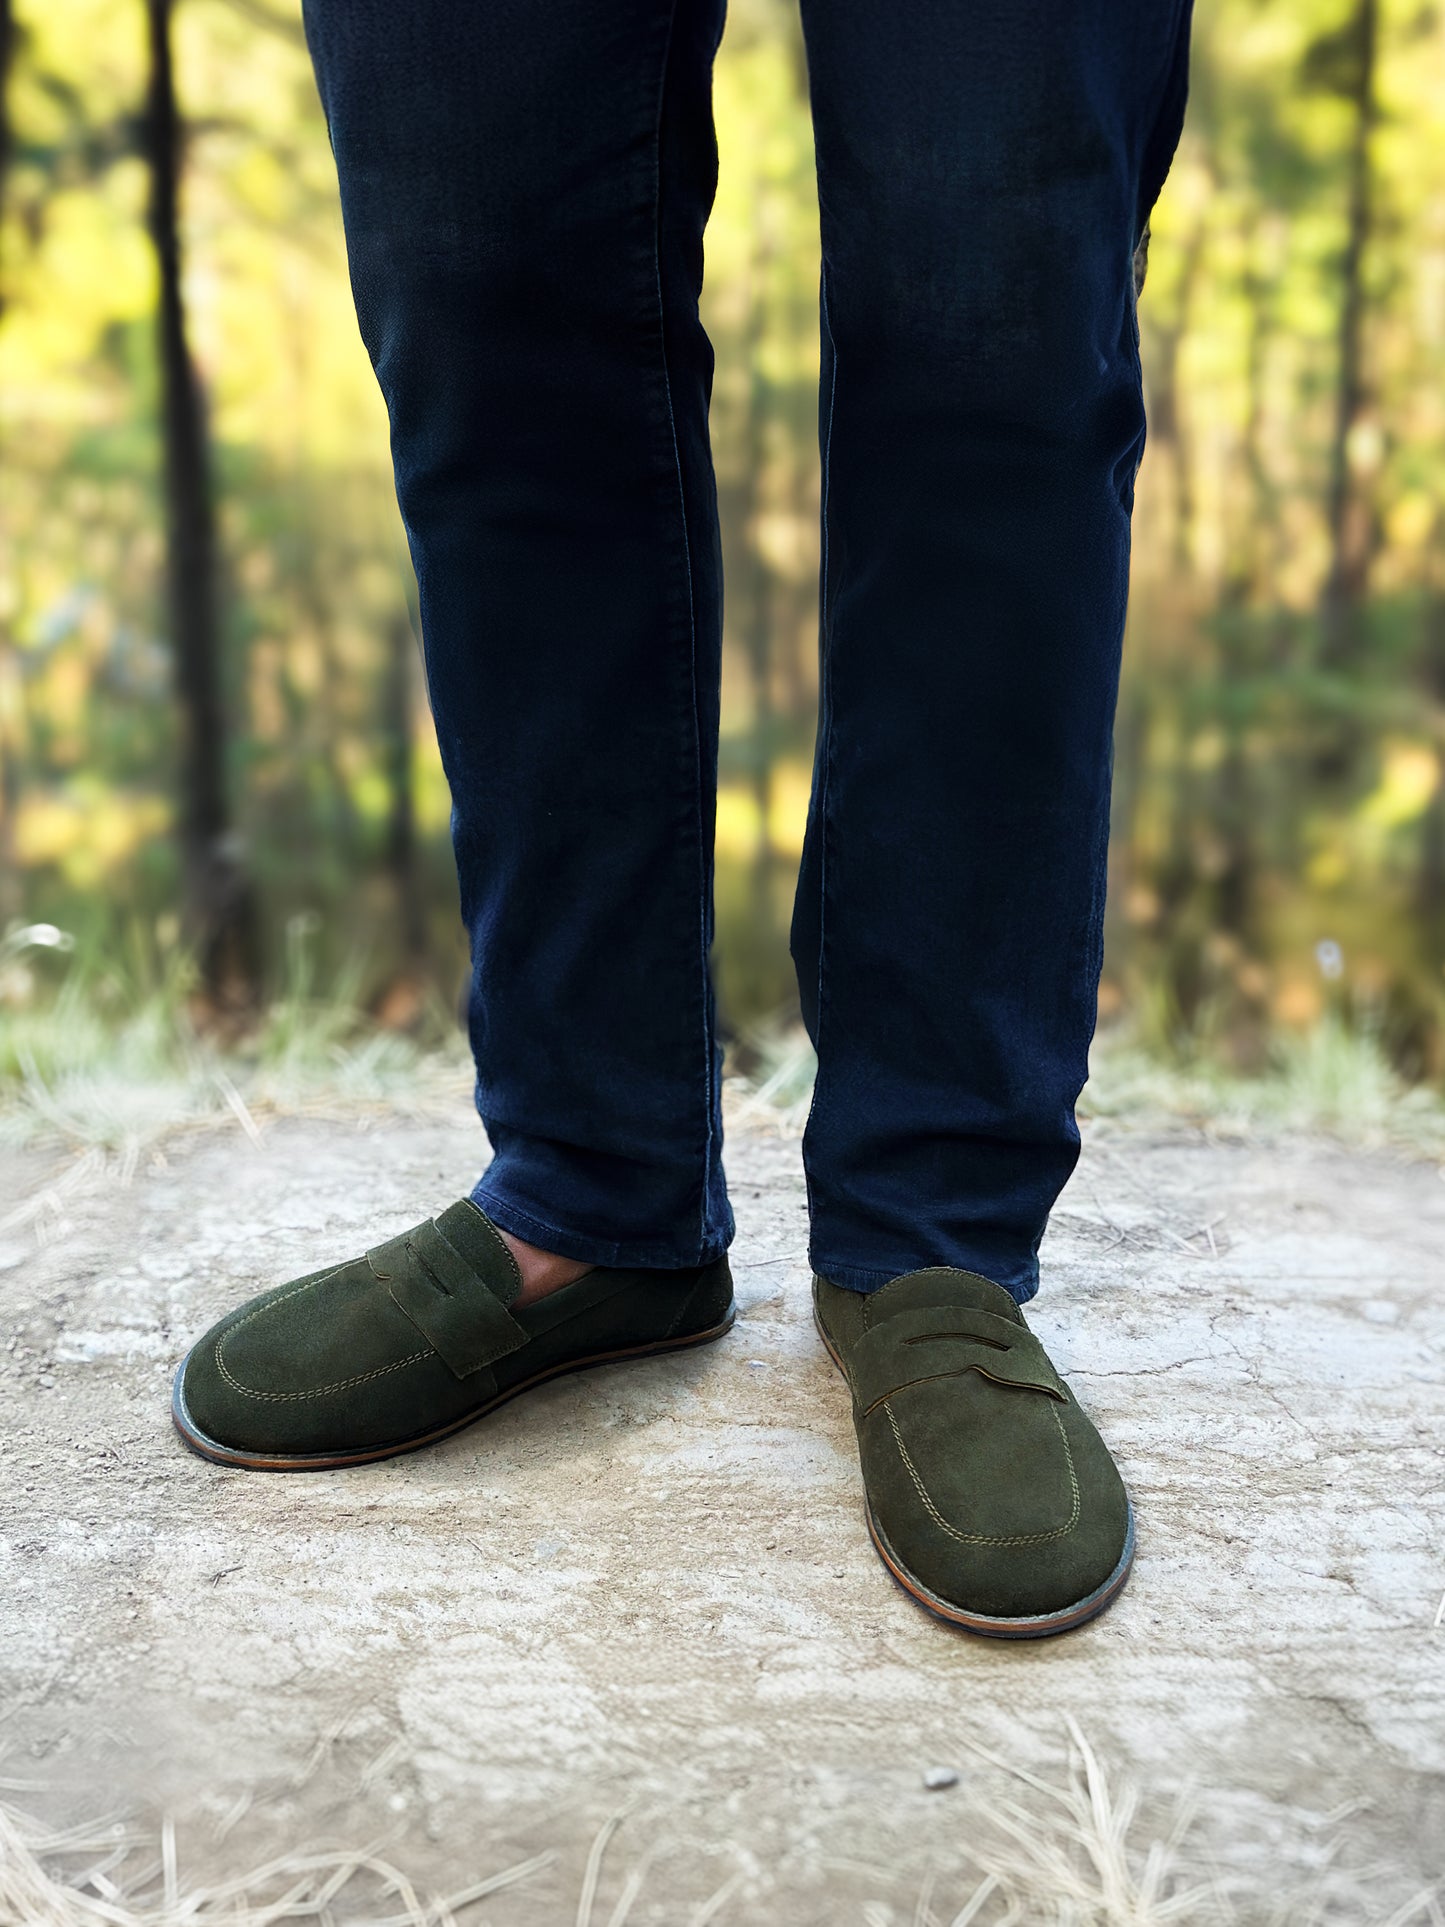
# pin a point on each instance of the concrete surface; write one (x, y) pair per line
(652, 1583)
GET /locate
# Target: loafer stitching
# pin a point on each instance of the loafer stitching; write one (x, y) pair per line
(319, 1391)
(982, 1538)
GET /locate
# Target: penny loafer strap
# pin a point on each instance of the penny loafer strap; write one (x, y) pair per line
(914, 1346)
(455, 1308)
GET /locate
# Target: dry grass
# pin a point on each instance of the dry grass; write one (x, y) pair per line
(1332, 1078)
(1082, 1852)
(97, 1054)
(111, 1875)
(105, 1063)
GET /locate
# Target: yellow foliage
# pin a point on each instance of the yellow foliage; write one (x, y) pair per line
(737, 814)
(86, 836)
(1408, 780)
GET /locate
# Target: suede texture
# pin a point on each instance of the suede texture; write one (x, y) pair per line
(987, 1483)
(414, 1334)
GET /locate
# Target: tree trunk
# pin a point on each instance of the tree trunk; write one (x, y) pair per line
(1168, 426)
(1430, 878)
(401, 846)
(1348, 509)
(757, 597)
(218, 905)
(10, 893)
(7, 49)
(1253, 538)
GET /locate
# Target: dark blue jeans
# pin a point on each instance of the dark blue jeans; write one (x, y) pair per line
(525, 185)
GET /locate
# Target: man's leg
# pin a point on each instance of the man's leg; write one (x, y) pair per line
(984, 175)
(524, 191)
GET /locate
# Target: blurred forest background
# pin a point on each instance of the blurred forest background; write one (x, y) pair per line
(214, 740)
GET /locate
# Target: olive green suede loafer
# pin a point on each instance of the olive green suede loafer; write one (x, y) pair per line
(990, 1496)
(415, 1339)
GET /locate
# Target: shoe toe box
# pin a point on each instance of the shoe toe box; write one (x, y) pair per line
(324, 1364)
(1018, 1515)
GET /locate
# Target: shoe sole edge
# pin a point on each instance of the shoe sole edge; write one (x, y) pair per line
(209, 1448)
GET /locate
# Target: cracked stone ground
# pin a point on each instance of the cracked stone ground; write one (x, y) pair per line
(652, 1582)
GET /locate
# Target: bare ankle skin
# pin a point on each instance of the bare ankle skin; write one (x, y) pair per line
(542, 1271)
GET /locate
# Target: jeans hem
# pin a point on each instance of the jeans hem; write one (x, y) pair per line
(656, 1256)
(860, 1279)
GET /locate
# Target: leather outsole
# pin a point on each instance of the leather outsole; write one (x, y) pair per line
(209, 1448)
(1029, 1626)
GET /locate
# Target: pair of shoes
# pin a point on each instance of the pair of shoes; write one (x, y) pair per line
(990, 1496)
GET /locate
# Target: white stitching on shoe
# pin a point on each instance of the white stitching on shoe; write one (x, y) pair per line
(981, 1538)
(320, 1391)
(497, 1239)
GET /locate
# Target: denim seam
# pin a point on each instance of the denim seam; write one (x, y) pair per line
(1178, 14)
(1136, 358)
(1181, 22)
(826, 719)
(708, 1094)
